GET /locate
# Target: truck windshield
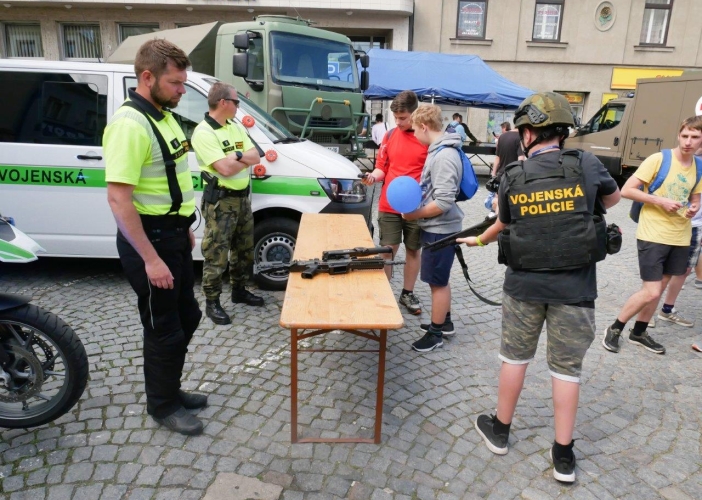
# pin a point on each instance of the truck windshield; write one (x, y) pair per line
(269, 125)
(606, 118)
(310, 61)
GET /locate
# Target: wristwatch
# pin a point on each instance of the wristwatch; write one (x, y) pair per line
(239, 155)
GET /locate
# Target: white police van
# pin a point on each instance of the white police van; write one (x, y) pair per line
(52, 178)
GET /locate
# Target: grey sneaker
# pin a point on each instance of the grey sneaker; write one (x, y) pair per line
(411, 302)
(674, 317)
(611, 339)
(645, 341)
(428, 343)
(698, 283)
(496, 443)
(652, 323)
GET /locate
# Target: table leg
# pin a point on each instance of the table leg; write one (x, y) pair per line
(381, 385)
(293, 385)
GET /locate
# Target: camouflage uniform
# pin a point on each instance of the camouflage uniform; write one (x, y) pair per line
(228, 239)
(570, 330)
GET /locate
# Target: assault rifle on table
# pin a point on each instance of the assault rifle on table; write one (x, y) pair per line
(333, 262)
(475, 230)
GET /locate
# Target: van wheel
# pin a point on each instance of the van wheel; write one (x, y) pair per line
(274, 242)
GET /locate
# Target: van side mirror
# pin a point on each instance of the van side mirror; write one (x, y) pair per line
(365, 80)
(365, 60)
(241, 41)
(240, 64)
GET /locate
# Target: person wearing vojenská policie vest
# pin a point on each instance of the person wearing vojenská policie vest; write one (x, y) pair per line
(548, 230)
(662, 236)
(150, 191)
(437, 216)
(225, 153)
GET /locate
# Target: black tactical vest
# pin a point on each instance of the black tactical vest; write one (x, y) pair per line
(551, 227)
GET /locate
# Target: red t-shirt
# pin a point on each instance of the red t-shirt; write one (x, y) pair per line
(400, 154)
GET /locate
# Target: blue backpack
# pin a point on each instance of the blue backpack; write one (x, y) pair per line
(636, 206)
(469, 181)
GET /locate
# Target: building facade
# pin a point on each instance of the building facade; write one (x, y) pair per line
(590, 50)
(91, 30)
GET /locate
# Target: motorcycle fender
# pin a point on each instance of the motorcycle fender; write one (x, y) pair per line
(12, 300)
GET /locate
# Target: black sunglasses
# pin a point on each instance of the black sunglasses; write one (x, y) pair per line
(235, 101)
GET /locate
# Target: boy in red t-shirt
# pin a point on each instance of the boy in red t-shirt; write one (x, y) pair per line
(400, 154)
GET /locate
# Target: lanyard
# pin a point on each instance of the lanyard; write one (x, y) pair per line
(543, 150)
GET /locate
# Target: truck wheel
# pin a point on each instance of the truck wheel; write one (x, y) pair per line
(274, 241)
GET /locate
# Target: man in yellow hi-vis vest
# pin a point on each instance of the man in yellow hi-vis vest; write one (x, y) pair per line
(150, 191)
(225, 153)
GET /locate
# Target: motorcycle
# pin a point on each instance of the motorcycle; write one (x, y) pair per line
(43, 364)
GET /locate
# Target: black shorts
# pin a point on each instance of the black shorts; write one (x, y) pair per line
(657, 260)
(436, 266)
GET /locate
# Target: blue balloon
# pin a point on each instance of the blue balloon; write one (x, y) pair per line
(404, 194)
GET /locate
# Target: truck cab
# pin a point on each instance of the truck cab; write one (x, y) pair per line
(305, 77)
(604, 135)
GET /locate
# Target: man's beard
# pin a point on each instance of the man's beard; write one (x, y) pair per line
(160, 100)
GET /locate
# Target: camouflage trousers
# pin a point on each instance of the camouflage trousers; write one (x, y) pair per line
(228, 239)
(570, 331)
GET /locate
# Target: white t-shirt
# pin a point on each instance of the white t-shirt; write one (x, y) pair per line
(378, 132)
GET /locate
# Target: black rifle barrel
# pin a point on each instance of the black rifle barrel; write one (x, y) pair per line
(354, 252)
(474, 230)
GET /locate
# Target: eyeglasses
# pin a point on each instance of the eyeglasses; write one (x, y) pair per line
(235, 101)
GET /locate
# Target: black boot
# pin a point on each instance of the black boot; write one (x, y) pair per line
(243, 296)
(214, 311)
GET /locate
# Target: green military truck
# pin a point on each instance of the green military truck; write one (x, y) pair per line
(625, 131)
(305, 77)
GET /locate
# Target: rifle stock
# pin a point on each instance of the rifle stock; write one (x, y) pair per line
(474, 230)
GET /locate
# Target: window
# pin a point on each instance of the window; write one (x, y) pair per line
(312, 62)
(23, 40)
(471, 19)
(127, 30)
(82, 41)
(548, 17)
(656, 18)
(53, 108)
(609, 116)
(365, 43)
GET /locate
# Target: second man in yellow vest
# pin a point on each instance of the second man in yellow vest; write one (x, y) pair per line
(225, 154)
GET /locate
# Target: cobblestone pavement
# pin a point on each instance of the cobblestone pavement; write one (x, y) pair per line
(637, 434)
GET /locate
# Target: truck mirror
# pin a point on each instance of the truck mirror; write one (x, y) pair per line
(365, 61)
(240, 64)
(241, 41)
(365, 80)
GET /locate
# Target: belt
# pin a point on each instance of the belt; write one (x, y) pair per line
(160, 222)
(233, 193)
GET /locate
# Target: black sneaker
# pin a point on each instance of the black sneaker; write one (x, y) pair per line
(411, 302)
(428, 343)
(446, 328)
(645, 341)
(611, 339)
(496, 443)
(564, 468)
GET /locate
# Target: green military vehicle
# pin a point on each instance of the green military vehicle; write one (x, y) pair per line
(305, 77)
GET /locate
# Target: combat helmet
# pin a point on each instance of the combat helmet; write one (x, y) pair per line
(544, 109)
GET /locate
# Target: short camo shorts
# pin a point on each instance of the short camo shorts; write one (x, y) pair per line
(570, 331)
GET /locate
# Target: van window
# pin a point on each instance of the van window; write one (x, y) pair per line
(53, 108)
(190, 110)
(606, 118)
(269, 125)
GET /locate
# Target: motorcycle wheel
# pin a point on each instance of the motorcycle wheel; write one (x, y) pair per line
(48, 368)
